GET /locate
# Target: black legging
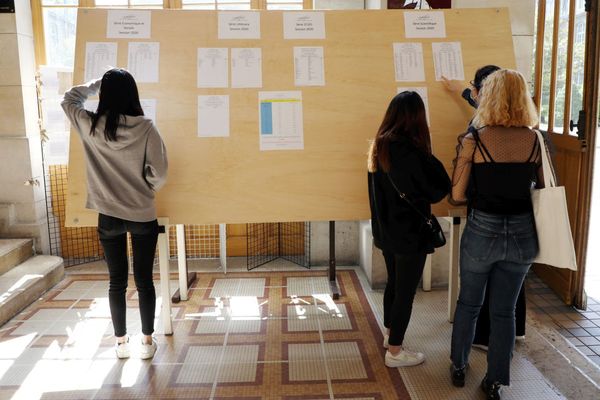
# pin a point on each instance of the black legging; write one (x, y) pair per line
(404, 273)
(113, 237)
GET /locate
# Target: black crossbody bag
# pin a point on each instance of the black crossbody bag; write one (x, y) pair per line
(434, 230)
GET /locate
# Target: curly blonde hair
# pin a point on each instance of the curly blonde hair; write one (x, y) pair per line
(504, 100)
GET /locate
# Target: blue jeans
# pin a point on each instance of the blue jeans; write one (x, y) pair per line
(498, 248)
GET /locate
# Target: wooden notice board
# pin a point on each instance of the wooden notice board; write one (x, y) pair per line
(229, 180)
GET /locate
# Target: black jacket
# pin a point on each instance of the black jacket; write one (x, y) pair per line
(396, 226)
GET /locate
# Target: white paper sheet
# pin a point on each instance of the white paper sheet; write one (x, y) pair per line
(149, 107)
(422, 91)
(99, 58)
(213, 67)
(213, 116)
(309, 66)
(132, 24)
(143, 61)
(239, 25)
(304, 25)
(91, 105)
(280, 119)
(246, 68)
(424, 24)
(408, 62)
(447, 60)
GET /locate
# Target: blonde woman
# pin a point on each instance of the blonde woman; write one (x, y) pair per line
(497, 164)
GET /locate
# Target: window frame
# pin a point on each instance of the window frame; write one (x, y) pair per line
(539, 67)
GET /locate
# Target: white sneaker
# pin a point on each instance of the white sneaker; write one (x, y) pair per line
(520, 338)
(480, 346)
(122, 349)
(147, 350)
(405, 358)
(386, 341)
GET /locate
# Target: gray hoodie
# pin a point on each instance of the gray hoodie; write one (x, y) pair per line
(122, 175)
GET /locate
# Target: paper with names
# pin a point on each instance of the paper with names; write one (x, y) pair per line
(213, 116)
(408, 62)
(304, 25)
(422, 91)
(309, 67)
(143, 61)
(99, 58)
(280, 121)
(447, 60)
(148, 106)
(239, 25)
(246, 68)
(424, 24)
(213, 67)
(131, 24)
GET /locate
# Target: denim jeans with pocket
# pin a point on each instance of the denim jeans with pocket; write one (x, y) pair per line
(112, 232)
(498, 248)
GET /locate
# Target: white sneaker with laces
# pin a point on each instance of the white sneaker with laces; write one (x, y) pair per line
(147, 351)
(480, 346)
(386, 341)
(122, 349)
(405, 358)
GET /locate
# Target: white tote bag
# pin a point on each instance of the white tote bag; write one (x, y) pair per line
(552, 219)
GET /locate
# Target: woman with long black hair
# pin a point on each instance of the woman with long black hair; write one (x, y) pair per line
(126, 164)
(400, 161)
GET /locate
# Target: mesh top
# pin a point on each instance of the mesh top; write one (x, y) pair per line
(505, 145)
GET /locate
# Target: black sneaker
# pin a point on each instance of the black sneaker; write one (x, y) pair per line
(492, 391)
(458, 375)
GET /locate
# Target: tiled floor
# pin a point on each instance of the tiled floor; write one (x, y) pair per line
(581, 328)
(263, 335)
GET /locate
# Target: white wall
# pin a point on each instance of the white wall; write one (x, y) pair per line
(22, 208)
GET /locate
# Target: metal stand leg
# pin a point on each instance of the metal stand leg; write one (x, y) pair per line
(223, 246)
(335, 290)
(163, 261)
(185, 278)
(453, 270)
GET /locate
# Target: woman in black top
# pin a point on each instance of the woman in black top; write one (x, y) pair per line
(400, 159)
(482, 330)
(497, 165)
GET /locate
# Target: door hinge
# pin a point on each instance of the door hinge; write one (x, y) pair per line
(580, 125)
(588, 5)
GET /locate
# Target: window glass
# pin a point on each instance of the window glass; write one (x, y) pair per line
(578, 67)
(561, 67)
(285, 4)
(546, 64)
(59, 32)
(59, 2)
(212, 4)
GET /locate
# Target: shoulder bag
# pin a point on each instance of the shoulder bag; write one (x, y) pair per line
(434, 230)
(555, 240)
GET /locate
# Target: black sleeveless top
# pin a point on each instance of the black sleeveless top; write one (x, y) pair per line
(501, 187)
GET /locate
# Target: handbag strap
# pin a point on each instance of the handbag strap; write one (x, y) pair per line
(404, 197)
(549, 177)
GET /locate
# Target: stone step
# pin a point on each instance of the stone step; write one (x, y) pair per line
(26, 282)
(13, 252)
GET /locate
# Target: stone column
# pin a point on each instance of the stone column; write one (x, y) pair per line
(22, 207)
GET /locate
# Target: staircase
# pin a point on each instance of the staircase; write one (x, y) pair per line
(24, 276)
